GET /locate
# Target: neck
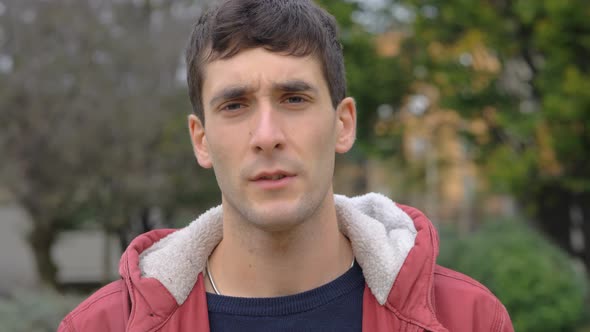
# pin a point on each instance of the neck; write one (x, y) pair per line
(251, 262)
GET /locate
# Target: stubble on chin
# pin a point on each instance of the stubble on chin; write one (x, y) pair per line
(275, 212)
(275, 218)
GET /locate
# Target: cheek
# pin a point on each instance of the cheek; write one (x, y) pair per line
(220, 151)
(221, 159)
(320, 140)
(224, 167)
(322, 134)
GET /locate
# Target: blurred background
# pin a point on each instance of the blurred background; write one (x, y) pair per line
(476, 112)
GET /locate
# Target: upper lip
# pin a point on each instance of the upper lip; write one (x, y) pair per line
(269, 174)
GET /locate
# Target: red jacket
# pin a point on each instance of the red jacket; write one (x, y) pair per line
(422, 297)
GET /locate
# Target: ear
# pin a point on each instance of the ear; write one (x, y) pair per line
(199, 140)
(346, 126)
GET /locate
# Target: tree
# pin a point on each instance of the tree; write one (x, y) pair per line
(373, 80)
(84, 120)
(520, 67)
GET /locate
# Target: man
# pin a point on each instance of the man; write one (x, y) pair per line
(282, 252)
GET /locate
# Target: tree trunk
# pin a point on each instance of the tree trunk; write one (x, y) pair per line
(42, 240)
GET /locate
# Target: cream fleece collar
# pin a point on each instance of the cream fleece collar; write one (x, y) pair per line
(381, 235)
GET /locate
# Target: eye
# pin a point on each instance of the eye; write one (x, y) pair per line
(232, 107)
(295, 100)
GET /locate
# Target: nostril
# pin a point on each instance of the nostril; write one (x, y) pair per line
(269, 148)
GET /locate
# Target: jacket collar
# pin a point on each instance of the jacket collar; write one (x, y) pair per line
(391, 243)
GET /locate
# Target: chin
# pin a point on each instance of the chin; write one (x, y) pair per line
(276, 214)
(280, 217)
(276, 221)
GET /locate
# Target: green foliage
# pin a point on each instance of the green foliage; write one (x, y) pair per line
(540, 286)
(28, 311)
(513, 178)
(522, 68)
(542, 49)
(373, 80)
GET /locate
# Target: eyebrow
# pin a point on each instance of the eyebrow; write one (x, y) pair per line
(237, 91)
(230, 92)
(295, 86)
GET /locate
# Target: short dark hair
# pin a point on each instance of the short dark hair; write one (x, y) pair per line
(292, 27)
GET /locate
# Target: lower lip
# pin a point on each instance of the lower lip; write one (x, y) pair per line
(274, 184)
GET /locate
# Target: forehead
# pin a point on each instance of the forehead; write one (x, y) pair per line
(260, 69)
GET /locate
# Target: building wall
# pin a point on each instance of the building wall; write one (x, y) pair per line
(17, 267)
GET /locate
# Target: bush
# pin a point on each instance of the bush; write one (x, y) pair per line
(29, 311)
(541, 287)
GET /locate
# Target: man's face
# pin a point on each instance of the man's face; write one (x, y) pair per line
(271, 135)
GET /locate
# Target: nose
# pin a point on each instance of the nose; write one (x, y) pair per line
(267, 134)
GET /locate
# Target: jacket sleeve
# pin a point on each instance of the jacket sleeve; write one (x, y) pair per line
(65, 326)
(102, 311)
(503, 322)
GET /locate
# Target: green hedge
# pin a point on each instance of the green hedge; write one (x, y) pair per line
(541, 287)
(35, 310)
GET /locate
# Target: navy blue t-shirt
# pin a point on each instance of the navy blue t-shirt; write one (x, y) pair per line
(336, 306)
